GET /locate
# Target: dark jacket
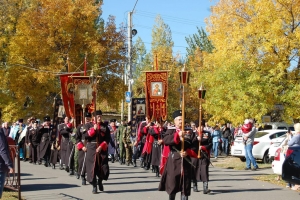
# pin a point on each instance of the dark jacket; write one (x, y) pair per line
(6, 131)
(5, 160)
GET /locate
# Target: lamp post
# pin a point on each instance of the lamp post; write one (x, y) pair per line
(93, 81)
(184, 80)
(201, 96)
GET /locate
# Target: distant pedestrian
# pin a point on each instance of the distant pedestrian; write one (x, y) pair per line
(225, 135)
(6, 164)
(216, 137)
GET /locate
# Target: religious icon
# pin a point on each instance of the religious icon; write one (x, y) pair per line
(157, 89)
(140, 109)
(61, 111)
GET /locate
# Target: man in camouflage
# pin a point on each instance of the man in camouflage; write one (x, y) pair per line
(127, 143)
(120, 141)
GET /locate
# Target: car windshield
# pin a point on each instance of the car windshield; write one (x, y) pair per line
(260, 134)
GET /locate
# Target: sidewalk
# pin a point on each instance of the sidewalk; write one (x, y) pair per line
(129, 183)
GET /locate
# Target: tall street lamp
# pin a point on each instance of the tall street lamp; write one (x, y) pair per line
(184, 80)
(201, 96)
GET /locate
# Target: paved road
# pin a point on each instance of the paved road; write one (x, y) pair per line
(129, 183)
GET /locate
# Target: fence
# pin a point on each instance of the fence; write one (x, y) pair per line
(13, 181)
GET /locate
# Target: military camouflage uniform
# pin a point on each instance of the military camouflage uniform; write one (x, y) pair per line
(127, 141)
(121, 144)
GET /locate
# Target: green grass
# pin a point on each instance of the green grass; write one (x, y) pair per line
(9, 195)
(235, 163)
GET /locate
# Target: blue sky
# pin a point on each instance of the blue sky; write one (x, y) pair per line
(182, 16)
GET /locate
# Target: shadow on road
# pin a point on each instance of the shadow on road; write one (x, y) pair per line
(35, 187)
(132, 191)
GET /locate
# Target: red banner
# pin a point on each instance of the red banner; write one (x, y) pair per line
(156, 94)
(67, 91)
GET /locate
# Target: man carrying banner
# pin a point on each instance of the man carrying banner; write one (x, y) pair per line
(81, 134)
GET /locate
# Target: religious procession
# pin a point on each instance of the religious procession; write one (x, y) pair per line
(177, 152)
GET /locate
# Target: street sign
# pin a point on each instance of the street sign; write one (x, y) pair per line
(127, 97)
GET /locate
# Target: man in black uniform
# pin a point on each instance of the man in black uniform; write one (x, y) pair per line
(34, 141)
(46, 136)
(65, 130)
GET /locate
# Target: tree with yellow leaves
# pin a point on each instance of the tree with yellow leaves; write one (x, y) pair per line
(255, 61)
(46, 34)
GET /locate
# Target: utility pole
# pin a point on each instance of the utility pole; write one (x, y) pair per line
(129, 62)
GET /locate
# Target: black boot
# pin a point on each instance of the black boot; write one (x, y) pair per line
(205, 188)
(100, 184)
(183, 197)
(121, 161)
(46, 163)
(172, 196)
(71, 172)
(67, 169)
(157, 171)
(77, 175)
(134, 163)
(53, 166)
(112, 158)
(195, 186)
(83, 181)
(94, 184)
(147, 166)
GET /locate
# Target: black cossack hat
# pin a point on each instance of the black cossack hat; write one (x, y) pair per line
(177, 113)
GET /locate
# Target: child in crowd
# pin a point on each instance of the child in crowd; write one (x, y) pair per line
(246, 128)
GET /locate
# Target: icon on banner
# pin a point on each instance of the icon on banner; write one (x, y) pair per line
(127, 97)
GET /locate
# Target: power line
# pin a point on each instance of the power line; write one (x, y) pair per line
(134, 5)
(170, 18)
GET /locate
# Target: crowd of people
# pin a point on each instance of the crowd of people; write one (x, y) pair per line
(85, 151)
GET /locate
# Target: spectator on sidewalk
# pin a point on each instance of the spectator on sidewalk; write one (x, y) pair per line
(216, 137)
(225, 135)
(249, 139)
(6, 164)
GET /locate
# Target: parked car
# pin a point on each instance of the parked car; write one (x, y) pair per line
(291, 165)
(278, 159)
(261, 145)
(278, 125)
(275, 144)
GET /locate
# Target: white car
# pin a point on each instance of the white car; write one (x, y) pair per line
(275, 143)
(261, 145)
(278, 159)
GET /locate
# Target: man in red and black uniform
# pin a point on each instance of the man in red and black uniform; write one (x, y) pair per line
(176, 176)
(200, 172)
(97, 137)
(141, 140)
(81, 142)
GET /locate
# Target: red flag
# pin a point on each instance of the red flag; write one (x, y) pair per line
(67, 91)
